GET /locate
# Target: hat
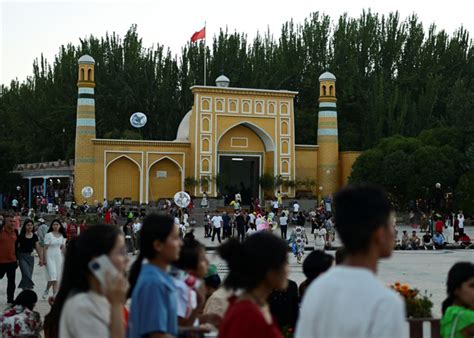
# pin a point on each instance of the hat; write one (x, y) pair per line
(41, 220)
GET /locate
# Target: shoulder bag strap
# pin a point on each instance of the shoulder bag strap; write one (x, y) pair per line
(453, 329)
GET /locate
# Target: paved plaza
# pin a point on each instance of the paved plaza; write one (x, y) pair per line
(425, 270)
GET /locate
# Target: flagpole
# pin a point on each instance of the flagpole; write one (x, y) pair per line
(205, 52)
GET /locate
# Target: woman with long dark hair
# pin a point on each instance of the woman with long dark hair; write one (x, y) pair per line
(27, 242)
(54, 243)
(153, 312)
(83, 307)
(458, 308)
(257, 272)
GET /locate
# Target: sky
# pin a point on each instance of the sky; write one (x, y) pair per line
(29, 28)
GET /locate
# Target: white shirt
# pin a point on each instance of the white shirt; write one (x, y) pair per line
(283, 220)
(186, 299)
(351, 302)
(216, 221)
(85, 315)
(252, 218)
(14, 202)
(296, 207)
(461, 221)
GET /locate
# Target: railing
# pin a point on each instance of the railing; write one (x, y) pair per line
(424, 328)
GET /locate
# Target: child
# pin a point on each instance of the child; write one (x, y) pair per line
(20, 320)
(458, 308)
(188, 274)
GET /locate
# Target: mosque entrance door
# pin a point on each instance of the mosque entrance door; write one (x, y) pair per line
(239, 174)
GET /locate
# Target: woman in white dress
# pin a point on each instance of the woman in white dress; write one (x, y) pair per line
(204, 203)
(320, 238)
(54, 242)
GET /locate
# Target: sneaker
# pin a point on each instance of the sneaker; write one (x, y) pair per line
(45, 294)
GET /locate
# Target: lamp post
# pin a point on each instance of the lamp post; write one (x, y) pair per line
(438, 195)
(320, 191)
(64, 143)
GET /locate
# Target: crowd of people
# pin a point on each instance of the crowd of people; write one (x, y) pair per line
(436, 232)
(171, 290)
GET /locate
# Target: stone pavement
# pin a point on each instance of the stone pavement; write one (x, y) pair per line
(424, 270)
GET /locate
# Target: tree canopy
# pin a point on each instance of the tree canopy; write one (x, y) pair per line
(394, 76)
(410, 168)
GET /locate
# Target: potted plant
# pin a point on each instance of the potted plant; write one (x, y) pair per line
(267, 183)
(190, 183)
(418, 309)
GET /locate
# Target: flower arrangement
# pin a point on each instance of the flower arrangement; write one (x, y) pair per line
(417, 305)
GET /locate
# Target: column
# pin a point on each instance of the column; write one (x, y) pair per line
(29, 192)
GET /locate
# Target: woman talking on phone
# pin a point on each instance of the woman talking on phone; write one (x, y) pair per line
(93, 287)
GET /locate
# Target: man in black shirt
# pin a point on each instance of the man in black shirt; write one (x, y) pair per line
(226, 225)
(240, 225)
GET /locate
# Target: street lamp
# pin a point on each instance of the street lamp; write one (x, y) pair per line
(438, 196)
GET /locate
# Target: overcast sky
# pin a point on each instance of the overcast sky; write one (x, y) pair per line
(29, 28)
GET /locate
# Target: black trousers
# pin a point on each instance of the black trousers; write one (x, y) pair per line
(283, 229)
(227, 232)
(241, 234)
(218, 232)
(9, 270)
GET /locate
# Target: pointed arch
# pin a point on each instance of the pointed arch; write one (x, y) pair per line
(173, 183)
(122, 178)
(261, 133)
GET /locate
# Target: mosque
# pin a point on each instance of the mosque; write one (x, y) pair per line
(235, 134)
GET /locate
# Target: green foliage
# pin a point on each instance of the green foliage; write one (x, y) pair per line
(190, 183)
(368, 168)
(409, 168)
(267, 182)
(394, 76)
(464, 196)
(8, 181)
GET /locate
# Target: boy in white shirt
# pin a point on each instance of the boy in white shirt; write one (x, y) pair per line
(217, 225)
(348, 300)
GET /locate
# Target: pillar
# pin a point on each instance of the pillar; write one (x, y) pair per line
(328, 153)
(29, 192)
(85, 129)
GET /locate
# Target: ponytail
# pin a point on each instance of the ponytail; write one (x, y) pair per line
(447, 303)
(71, 274)
(134, 273)
(95, 241)
(233, 253)
(156, 227)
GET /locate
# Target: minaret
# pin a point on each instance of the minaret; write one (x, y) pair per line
(85, 129)
(328, 153)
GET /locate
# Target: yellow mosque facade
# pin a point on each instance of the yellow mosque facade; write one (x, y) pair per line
(227, 141)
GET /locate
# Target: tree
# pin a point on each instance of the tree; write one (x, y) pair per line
(394, 76)
(464, 196)
(368, 168)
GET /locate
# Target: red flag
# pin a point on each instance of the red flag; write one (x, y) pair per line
(199, 35)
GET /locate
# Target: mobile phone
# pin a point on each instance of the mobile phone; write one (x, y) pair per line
(101, 267)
